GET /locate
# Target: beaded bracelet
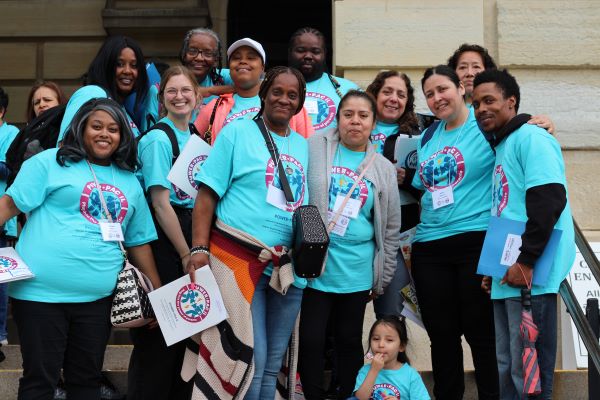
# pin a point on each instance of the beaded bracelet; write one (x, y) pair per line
(200, 249)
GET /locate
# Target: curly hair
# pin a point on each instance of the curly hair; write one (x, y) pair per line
(408, 120)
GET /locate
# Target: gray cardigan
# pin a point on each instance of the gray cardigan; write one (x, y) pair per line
(382, 174)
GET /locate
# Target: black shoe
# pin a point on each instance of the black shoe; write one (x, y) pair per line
(108, 391)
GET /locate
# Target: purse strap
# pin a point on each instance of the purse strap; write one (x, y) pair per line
(347, 197)
(104, 207)
(285, 185)
(208, 134)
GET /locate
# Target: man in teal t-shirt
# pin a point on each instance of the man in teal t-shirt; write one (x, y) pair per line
(529, 186)
(307, 52)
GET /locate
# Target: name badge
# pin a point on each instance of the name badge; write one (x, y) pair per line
(341, 225)
(351, 209)
(511, 251)
(442, 197)
(276, 197)
(312, 106)
(111, 232)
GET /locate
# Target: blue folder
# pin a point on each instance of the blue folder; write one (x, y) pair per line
(493, 246)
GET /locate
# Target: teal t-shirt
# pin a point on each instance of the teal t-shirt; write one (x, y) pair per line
(7, 135)
(243, 108)
(79, 98)
(349, 265)
(381, 132)
(156, 154)
(404, 383)
(61, 241)
(240, 169)
(322, 100)
(207, 82)
(462, 158)
(531, 157)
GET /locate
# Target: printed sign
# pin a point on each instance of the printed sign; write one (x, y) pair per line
(185, 171)
(12, 267)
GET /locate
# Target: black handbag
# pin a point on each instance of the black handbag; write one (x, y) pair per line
(310, 238)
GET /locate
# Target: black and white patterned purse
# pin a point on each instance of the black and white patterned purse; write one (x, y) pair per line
(131, 306)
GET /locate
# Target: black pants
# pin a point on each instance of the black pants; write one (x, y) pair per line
(154, 368)
(452, 304)
(72, 336)
(347, 311)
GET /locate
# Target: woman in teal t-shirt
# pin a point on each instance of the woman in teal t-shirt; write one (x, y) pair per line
(63, 312)
(154, 367)
(455, 164)
(361, 258)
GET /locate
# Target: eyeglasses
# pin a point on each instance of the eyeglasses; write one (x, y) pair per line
(208, 54)
(185, 91)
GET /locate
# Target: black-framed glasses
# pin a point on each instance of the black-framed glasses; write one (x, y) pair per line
(208, 54)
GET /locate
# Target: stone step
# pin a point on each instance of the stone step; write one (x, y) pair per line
(571, 385)
(116, 357)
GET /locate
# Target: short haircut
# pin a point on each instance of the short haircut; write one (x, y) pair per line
(361, 95)
(60, 96)
(408, 120)
(504, 81)
(168, 74)
(103, 68)
(302, 31)
(440, 70)
(215, 71)
(73, 149)
(488, 61)
(268, 82)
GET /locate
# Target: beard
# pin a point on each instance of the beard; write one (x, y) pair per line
(310, 74)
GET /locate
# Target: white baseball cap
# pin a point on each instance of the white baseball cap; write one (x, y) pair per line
(250, 43)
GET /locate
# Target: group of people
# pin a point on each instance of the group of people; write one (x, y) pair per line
(119, 138)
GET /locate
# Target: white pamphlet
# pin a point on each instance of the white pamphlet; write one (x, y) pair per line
(184, 308)
(184, 173)
(12, 267)
(406, 151)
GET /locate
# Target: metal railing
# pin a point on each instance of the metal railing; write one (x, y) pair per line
(586, 331)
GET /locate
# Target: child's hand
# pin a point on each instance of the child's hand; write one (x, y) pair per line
(377, 362)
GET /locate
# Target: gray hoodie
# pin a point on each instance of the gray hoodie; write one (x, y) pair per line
(382, 174)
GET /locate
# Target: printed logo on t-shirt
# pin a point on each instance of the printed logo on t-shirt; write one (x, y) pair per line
(192, 302)
(378, 140)
(326, 110)
(383, 390)
(442, 169)
(500, 190)
(7, 264)
(180, 194)
(193, 170)
(294, 171)
(248, 113)
(90, 205)
(342, 179)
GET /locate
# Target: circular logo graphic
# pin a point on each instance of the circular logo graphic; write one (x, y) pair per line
(381, 391)
(442, 169)
(247, 113)
(180, 194)
(411, 160)
(90, 205)
(194, 170)
(7, 264)
(192, 302)
(342, 180)
(326, 110)
(294, 171)
(500, 190)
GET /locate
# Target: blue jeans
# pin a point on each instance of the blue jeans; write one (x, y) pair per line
(509, 346)
(273, 319)
(390, 302)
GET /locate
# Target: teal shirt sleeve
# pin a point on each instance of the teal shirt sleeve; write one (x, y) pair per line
(30, 188)
(217, 171)
(545, 164)
(156, 154)
(360, 378)
(416, 182)
(140, 228)
(418, 391)
(79, 98)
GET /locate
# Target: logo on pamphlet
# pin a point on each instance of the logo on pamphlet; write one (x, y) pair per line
(442, 169)
(90, 205)
(294, 172)
(382, 391)
(194, 170)
(326, 110)
(7, 264)
(500, 191)
(411, 160)
(192, 302)
(181, 195)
